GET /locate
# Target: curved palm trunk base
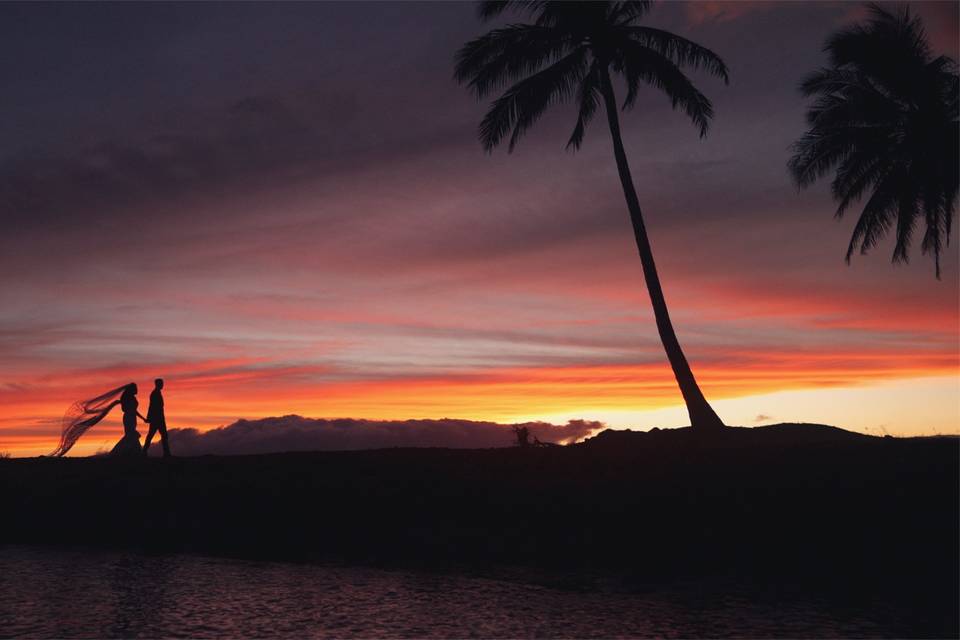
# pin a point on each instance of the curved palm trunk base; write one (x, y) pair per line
(702, 415)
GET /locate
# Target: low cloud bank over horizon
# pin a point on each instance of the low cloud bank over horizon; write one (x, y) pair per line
(296, 433)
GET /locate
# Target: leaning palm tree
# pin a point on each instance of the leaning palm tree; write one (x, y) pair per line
(885, 119)
(566, 52)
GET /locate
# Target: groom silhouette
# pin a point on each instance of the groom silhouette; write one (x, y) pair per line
(158, 422)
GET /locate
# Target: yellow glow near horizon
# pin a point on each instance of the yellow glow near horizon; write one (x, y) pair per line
(904, 407)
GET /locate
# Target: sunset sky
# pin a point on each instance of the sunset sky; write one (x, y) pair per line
(284, 209)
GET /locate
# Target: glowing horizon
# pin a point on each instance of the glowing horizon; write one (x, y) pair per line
(608, 395)
(285, 230)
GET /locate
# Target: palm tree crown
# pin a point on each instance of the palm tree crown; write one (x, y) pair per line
(565, 53)
(885, 119)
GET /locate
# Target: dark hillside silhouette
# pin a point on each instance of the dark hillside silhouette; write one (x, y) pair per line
(848, 519)
(567, 54)
(885, 120)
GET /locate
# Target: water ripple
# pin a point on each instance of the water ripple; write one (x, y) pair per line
(82, 594)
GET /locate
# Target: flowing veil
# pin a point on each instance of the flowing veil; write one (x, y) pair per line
(82, 415)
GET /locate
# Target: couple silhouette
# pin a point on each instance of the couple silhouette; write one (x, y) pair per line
(129, 444)
(83, 415)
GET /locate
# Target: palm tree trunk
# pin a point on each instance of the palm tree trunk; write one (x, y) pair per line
(702, 415)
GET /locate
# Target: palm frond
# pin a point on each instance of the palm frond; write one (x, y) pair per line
(846, 83)
(907, 213)
(508, 54)
(813, 157)
(857, 173)
(821, 149)
(523, 103)
(886, 35)
(588, 97)
(877, 215)
(938, 219)
(682, 52)
(640, 64)
(623, 13)
(891, 48)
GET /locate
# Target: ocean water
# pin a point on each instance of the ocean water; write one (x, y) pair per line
(82, 594)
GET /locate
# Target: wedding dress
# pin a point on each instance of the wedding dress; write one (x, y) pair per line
(83, 415)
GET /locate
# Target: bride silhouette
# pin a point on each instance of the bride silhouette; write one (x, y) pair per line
(86, 413)
(130, 442)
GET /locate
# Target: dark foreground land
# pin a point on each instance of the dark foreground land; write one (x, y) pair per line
(806, 508)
